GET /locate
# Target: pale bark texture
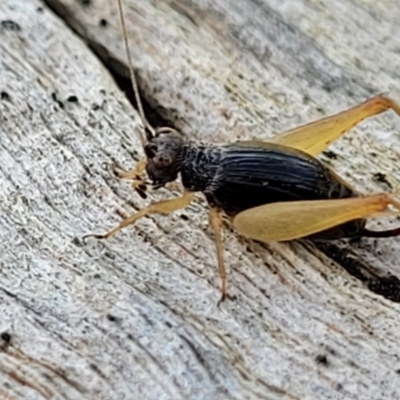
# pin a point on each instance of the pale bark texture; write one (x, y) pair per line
(136, 316)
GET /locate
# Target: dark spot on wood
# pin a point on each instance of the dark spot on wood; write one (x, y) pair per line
(47, 377)
(331, 351)
(120, 214)
(328, 87)
(54, 97)
(330, 154)
(4, 96)
(142, 194)
(109, 255)
(381, 178)
(322, 360)
(352, 364)
(6, 337)
(9, 25)
(72, 99)
(96, 369)
(103, 23)
(113, 318)
(47, 200)
(93, 367)
(76, 241)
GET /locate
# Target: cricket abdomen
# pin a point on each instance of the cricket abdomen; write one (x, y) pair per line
(251, 174)
(244, 175)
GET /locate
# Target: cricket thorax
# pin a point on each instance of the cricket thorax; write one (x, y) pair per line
(199, 165)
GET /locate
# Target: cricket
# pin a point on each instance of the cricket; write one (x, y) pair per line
(269, 190)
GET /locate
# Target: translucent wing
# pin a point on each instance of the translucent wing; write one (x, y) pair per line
(298, 219)
(318, 135)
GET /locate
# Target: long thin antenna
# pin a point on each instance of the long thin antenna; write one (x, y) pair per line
(149, 131)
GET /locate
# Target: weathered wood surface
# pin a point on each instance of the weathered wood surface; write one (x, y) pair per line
(136, 316)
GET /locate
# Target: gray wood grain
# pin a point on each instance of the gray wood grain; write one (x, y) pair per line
(136, 316)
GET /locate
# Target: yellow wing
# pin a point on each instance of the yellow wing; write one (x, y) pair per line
(318, 135)
(298, 219)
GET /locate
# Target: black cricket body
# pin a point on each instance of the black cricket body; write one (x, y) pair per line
(243, 175)
(252, 182)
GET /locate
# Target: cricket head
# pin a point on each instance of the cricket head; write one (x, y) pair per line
(163, 146)
(164, 153)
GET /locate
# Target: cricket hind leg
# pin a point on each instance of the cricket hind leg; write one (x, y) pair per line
(161, 207)
(216, 225)
(316, 136)
(300, 219)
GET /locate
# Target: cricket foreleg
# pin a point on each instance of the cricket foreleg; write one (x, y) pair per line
(138, 184)
(135, 173)
(318, 135)
(216, 224)
(298, 219)
(161, 207)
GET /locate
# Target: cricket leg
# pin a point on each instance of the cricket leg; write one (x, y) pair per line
(318, 135)
(138, 184)
(132, 174)
(298, 219)
(216, 224)
(161, 207)
(174, 186)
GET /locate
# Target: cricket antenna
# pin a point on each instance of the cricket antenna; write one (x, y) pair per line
(148, 129)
